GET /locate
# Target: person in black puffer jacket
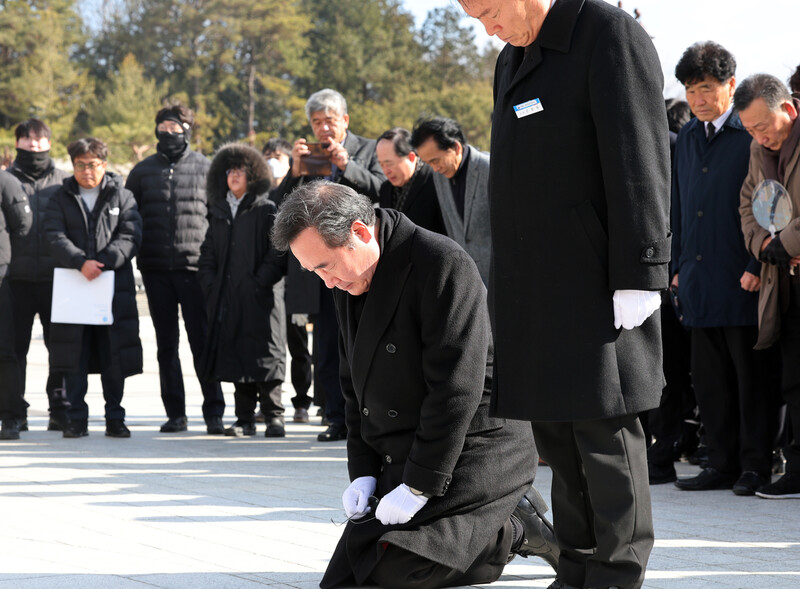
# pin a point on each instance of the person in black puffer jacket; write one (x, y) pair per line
(31, 269)
(92, 225)
(15, 222)
(169, 188)
(242, 277)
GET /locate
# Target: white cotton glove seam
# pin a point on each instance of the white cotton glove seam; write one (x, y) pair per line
(399, 506)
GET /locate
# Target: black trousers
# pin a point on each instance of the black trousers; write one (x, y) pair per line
(30, 299)
(12, 405)
(405, 570)
(297, 342)
(733, 391)
(790, 352)
(601, 499)
(247, 394)
(95, 344)
(165, 291)
(326, 357)
(666, 422)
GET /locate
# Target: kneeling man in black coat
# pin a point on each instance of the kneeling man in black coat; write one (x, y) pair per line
(416, 357)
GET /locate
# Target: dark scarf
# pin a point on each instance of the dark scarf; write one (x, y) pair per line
(775, 162)
(33, 164)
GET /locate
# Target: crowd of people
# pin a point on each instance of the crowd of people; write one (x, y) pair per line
(251, 246)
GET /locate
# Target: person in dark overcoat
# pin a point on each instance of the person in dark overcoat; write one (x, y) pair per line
(92, 225)
(416, 373)
(242, 279)
(353, 163)
(579, 196)
(409, 186)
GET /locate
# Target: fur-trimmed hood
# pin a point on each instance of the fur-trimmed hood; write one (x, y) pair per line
(237, 155)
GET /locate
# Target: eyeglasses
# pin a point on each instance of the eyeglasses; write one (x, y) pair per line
(80, 166)
(235, 172)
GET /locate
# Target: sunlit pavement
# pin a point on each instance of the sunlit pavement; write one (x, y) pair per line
(190, 510)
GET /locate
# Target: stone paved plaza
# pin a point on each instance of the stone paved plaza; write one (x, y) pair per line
(195, 511)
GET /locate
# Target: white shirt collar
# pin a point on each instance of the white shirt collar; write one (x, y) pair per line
(720, 120)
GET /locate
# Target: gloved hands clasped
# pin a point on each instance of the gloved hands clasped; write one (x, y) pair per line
(355, 498)
(399, 506)
(775, 253)
(633, 307)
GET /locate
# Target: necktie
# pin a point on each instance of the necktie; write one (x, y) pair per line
(710, 131)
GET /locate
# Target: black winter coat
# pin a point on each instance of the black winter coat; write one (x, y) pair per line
(32, 260)
(242, 276)
(416, 375)
(421, 205)
(15, 216)
(579, 196)
(172, 201)
(117, 236)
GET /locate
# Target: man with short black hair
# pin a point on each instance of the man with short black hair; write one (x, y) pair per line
(409, 186)
(31, 269)
(462, 185)
(717, 279)
(769, 113)
(170, 189)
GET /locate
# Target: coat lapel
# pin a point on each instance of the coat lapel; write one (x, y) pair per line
(384, 294)
(452, 220)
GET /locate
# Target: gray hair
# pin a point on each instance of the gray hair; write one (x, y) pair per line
(329, 208)
(326, 100)
(769, 88)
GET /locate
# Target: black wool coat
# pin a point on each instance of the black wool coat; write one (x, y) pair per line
(242, 276)
(421, 205)
(416, 376)
(579, 196)
(172, 201)
(118, 233)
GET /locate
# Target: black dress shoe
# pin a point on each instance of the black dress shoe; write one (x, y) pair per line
(709, 479)
(9, 429)
(749, 483)
(214, 426)
(275, 428)
(116, 428)
(57, 422)
(538, 538)
(175, 424)
(76, 428)
(23, 424)
(241, 428)
(335, 431)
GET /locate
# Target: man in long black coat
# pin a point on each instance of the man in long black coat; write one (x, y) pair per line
(579, 192)
(416, 372)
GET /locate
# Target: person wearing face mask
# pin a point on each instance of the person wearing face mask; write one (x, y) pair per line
(169, 188)
(31, 269)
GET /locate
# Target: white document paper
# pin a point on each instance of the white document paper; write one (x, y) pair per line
(82, 301)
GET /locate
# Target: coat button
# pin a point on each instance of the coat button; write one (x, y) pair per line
(705, 170)
(699, 213)
(390, 348)
(388, 459)
(365, 411)
(392, 413)
(649, 252)
(699, 258)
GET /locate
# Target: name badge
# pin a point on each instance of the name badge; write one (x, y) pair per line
(528, 108)
(113, 211)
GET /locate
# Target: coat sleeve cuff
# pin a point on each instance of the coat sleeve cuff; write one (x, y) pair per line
(428, 481)
(657, 252)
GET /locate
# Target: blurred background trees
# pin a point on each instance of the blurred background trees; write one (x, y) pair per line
(103, 68)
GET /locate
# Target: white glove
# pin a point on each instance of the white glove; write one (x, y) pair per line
(399, 506)
(633, 307)
(356, 497)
